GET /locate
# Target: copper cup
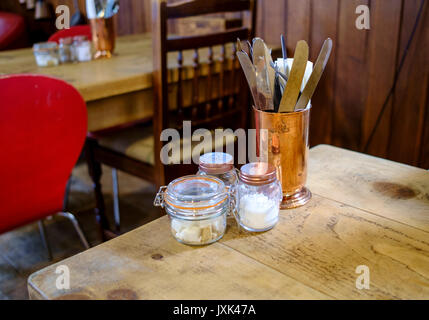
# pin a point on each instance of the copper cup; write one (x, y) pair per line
(288, 151)
(103, 37)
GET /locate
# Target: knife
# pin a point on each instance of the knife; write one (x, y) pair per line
(319, 67)
(249, 72)
(260, 50)
(293, 86)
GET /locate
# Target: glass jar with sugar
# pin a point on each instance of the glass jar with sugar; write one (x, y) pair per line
(197, 207)
(259, 195)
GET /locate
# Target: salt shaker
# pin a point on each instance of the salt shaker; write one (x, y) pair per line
(219, 165)
(259, 195)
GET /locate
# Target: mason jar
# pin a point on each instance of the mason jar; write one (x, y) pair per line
(197, 207)
(259, 194)
(46, 54)
(219, 165)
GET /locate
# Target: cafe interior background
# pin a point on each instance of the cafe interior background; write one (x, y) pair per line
(350, 109)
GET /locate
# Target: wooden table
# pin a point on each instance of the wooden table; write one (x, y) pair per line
(116, 90)
(364, 211)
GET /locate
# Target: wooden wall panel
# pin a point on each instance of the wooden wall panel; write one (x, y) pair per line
(383, 49)
(324, 19)
(410, 100)
(351, 77)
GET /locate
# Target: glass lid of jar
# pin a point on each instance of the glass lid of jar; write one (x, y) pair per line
(196, 195)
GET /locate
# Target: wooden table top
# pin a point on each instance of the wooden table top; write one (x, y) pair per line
(130, 68)
(364, 211)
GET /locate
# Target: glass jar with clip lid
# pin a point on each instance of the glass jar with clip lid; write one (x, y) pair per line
(197, 206)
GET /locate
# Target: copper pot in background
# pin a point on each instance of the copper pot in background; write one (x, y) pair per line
(103, 37)
(288, 149)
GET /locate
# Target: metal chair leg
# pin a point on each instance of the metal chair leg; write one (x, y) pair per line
(116, 212)
(77, 227)
(45, 241)
(66, 193)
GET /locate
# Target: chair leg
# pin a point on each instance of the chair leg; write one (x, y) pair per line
(116, 212)
(67, 192)
(43, 235)
(94, 169)
(77, 227)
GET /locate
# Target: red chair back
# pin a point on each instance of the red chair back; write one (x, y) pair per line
(84, 30)
(12, 31)
(43, 124)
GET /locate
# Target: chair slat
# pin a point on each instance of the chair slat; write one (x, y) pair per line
(199, 7)
(200, 41)
(233, 85)
(221, 78)
(209, 88)
(180, 87)
(195, 84)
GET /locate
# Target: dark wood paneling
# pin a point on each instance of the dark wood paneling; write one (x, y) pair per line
(383, 48)
(324, 19)
(359, 74)
(410, 100)
(351, 77)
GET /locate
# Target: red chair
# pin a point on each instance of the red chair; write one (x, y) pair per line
(12, 31)
(43, 124)
(84, 30)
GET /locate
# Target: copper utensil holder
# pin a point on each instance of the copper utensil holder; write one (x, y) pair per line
(288, 151)
(103, 37)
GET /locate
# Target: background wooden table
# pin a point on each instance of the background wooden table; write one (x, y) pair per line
(364, 211)
(116, 90)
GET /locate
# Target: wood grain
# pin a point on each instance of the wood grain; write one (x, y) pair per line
(392, 190)
(312, 252)
(149, 263)
(324, 25)
(410, 100)
(322, 243)
(382, 67)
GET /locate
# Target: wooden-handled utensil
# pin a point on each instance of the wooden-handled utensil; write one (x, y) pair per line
(319, 67)
(249, 72)
(260, 50)
(293, 86)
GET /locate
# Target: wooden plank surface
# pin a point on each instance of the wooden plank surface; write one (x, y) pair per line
(322, 243)
(313, 251)
(389, 189)
(130, 267)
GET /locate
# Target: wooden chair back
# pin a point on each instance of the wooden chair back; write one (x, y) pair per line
(208, 75)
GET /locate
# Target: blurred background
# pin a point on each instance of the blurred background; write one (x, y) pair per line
(359, 75)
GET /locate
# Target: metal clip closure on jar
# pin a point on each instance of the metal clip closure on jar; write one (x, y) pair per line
(197, 207)
(259, 196)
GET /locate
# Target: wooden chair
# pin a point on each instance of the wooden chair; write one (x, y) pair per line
(136, 149)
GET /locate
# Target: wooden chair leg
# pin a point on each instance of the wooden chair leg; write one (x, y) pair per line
(94, 169)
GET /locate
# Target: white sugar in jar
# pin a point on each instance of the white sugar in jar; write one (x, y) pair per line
(259, 194)
(197, 207)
